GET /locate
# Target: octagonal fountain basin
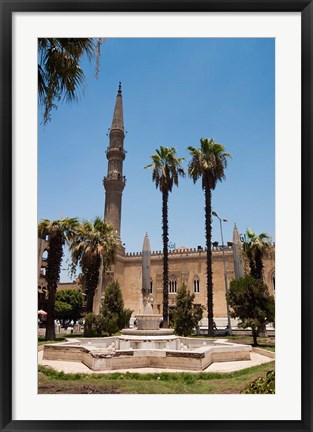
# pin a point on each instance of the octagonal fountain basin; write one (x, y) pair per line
(148, 351)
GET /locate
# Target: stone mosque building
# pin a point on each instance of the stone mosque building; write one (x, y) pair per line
(186, 266)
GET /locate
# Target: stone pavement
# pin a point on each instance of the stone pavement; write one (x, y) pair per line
(78, 367)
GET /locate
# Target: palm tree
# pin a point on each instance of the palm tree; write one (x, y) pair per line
(58, 232)
(166, 169)
(59, 72)
(93, 249)
(208, 163)
(255, 247)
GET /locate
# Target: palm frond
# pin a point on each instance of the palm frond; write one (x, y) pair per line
(166, 168)
(208, 163)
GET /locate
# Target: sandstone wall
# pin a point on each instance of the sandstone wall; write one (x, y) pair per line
(184, 266)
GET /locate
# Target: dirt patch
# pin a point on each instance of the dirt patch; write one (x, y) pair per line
(60, 388)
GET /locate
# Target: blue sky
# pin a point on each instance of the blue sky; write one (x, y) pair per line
(175, 91)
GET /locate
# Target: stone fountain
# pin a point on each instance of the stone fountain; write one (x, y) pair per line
(148, 323)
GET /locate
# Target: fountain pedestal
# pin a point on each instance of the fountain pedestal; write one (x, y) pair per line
(148, 325)
(148, 322)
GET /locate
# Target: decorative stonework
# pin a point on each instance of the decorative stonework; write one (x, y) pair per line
(184, 278)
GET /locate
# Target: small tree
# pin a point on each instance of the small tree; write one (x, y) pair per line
(94, 325)
(68, 304)
(63, 310)
(115, 316)
(186, 315)
(251, 302)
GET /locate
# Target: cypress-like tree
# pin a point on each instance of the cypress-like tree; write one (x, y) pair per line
(186, 315)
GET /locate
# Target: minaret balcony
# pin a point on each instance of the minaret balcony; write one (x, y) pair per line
(114, 181)
(115, 152)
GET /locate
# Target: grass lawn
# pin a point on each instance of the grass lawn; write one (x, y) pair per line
(59, 338)
(267, 343)
(51, 381)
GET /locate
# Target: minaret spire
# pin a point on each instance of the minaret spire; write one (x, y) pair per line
(237, 253)
(114, 182)
(118, 121)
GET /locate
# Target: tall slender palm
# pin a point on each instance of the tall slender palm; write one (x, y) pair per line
(59, 71)
(94, 245)
(166, 169)
(255, 247)
(58, 232)
(208, 163)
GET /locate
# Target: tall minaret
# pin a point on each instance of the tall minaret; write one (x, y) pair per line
(114, 182)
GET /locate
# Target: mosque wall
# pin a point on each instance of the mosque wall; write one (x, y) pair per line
(184, 268)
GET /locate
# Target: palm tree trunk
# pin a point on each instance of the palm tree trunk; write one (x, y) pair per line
(258, 265)
(100, 282)
(255, 335)
(89, 305)
(53, 276)
(259, 274)
(50, 328)
(92, 273)
(262, 332)
(165, 257)
(208, 237)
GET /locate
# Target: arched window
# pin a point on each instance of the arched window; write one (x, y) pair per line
(45, 255)
(196, 284)
(273, 282)
(172, 285)
(151, 286)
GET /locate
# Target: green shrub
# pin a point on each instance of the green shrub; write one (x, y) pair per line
(261, 385)
(68, 304)
(186, 315)
(94, 325)
(110, 323)
(252, 303)
(115, 316)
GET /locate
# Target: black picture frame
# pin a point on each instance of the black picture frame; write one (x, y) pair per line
(7, 9)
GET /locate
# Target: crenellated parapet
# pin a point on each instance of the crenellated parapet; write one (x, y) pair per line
(184, 251)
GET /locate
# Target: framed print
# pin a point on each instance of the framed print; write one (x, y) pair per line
(240, 70)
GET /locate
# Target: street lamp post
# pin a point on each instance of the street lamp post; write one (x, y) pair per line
(225, 274)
